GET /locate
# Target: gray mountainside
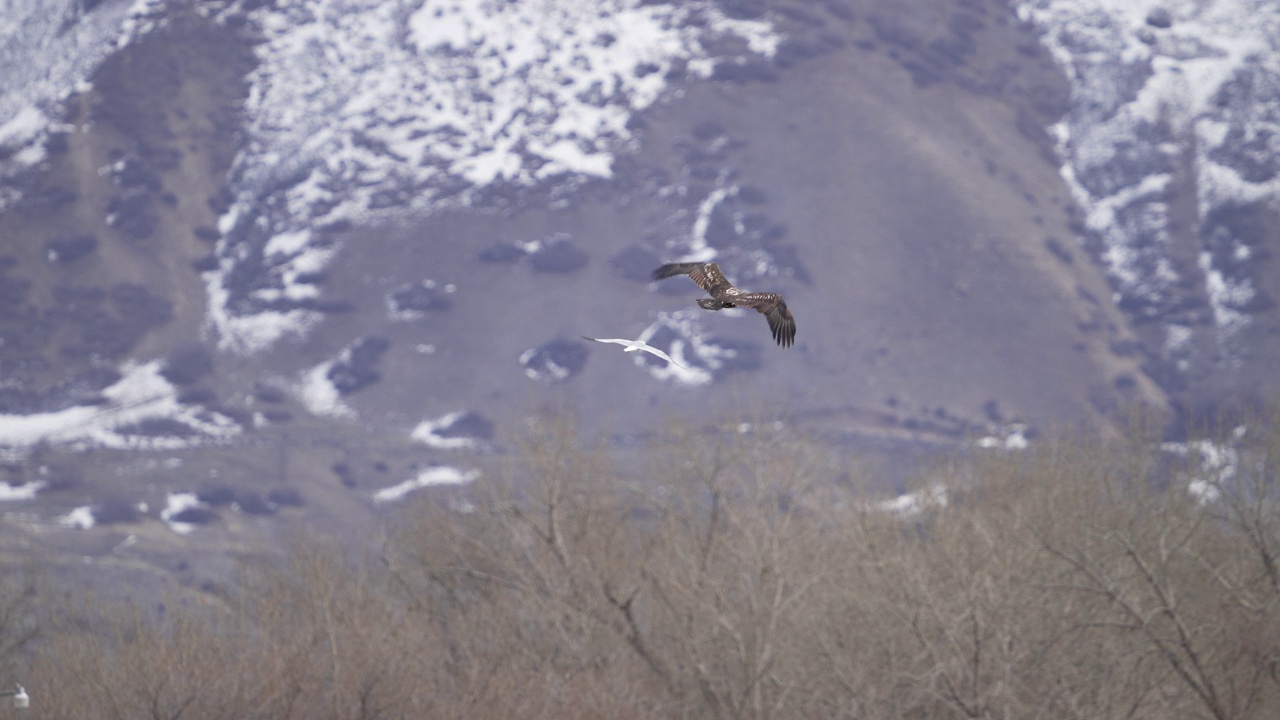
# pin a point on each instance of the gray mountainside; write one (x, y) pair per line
(886, 166)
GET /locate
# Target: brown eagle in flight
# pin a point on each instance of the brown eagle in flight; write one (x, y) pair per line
(725, 295)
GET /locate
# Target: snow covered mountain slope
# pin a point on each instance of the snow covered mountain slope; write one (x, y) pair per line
(48, 49)
(1172, 147)
(357, 107)
(287, 151)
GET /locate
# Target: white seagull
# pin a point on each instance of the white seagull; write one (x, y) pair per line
(634, 346)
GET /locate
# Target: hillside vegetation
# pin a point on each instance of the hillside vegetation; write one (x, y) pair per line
(1081, 579)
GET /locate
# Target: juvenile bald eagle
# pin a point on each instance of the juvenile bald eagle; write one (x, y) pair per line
(725, 295)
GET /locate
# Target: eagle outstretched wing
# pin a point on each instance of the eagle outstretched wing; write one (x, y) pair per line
(775, 311)
(706, 275)
(709, 277)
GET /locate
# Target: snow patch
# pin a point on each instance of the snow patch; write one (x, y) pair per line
(80, 518)
(914, 503)
(319, 395)
(25, 491)
(1014, 438)
(439, 475)
(175, 505)
(1217, 463)
(427, 433)
(141, 395)
(697, 355)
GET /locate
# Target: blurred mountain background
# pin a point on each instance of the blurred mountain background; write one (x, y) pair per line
(269, 263)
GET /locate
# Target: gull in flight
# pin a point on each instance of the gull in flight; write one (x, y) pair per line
(634, 346)
(723, 294)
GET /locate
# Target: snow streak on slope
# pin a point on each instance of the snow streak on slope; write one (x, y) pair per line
(1169, 95)
(359, 106)
(436, 475)
(48, 48)
(140, 412)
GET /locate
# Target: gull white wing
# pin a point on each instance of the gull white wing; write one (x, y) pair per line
(635, 346)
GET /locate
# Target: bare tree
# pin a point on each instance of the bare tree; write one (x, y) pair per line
(1086, 578)
(20, 596)
(1161, 572)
